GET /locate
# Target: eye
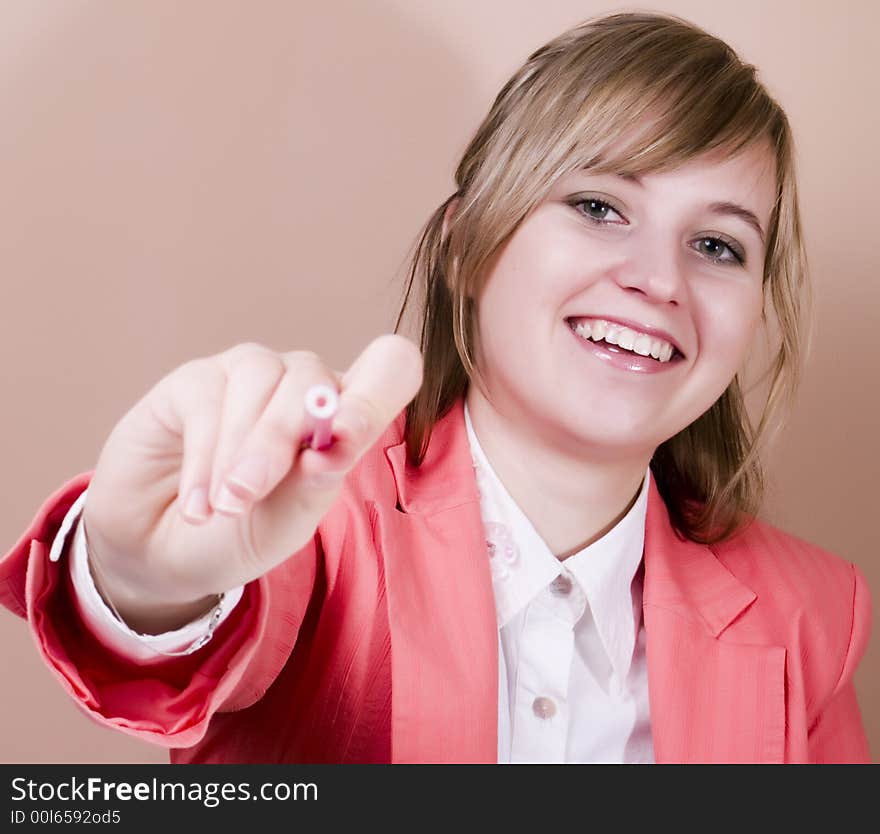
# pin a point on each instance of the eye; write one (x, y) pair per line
(717, 245)
(599, 206)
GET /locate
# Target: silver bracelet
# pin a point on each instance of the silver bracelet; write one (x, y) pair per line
(216, 611)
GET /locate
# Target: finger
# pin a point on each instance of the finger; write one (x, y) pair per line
(383, 379)
(269, 449)
(252, 375)
(192, 409)
(379, 384)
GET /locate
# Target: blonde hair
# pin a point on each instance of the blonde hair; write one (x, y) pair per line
(572, 105)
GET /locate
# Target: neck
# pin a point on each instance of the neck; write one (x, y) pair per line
(571, 501)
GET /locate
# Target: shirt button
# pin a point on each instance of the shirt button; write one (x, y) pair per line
(543, 707)
(561, 586)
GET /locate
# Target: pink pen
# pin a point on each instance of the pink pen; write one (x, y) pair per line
(322, 403)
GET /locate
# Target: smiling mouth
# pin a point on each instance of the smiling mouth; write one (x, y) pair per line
(608, 340)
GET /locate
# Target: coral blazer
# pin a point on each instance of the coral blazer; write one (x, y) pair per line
(377, 642)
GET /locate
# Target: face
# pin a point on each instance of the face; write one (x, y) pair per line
(652, 252)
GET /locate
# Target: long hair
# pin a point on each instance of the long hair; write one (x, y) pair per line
(572, 105)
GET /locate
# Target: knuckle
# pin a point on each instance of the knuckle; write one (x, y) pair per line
(233, 354)
(192, 388)
(198, 381)
(199, 371)
(247, 347)
(256, 363)
(303, 359)
(302, 369)
(185, 372)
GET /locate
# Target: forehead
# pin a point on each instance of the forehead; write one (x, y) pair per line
(750, 173)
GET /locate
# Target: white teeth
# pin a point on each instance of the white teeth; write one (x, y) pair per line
(626, 339)
(640, 343)
(643, 345)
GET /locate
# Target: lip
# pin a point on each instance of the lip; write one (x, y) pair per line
(625, 360)
(634, 325)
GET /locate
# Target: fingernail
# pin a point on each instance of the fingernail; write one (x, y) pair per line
(250, 474)
(229, 503)
(197, 504)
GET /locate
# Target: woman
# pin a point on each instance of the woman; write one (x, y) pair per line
(558, 562)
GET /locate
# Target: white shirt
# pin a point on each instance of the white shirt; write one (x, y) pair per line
(573, 684)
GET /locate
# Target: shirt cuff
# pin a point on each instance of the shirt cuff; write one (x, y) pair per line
(111, 631)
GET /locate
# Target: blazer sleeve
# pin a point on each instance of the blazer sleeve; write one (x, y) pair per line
(168, 703)
(837, 735)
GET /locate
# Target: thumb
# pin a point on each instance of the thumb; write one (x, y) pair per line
(378, 385)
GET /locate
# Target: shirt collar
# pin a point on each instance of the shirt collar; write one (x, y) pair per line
(523, 564)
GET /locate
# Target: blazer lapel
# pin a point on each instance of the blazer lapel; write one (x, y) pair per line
(441, 606)
(711, 699)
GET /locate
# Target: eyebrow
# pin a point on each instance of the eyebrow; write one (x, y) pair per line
(722, 207)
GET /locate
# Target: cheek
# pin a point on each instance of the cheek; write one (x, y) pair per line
(500, 323)
(541, 257)
(519, 286)
(731, 324)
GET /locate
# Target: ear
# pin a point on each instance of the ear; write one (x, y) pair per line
(448, 215)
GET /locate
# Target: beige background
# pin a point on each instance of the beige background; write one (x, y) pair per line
(179, 177)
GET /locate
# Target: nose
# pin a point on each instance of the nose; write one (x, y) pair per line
(653, 267)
